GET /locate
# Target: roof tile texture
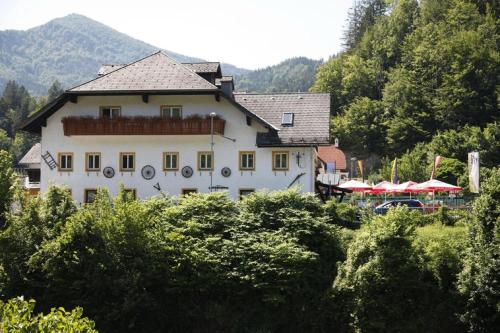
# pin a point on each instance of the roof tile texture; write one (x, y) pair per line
(331, 154)
(311, 114)
(156, 72)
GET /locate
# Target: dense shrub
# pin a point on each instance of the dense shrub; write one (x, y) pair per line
(267, 263)
(342, 214)
(199, 262)
(16, 316)
(479, 280)
(381, 277)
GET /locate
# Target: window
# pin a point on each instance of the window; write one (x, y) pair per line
(246, 191)
(111, 112)
(205, 160)
(170, 161)
(131, 192)
(171, 111)
(93, 161)
(90, 195)
(127, 161)
(287, 119)
(247, 160)
(65, 161)
(280, 160)
(186, 191)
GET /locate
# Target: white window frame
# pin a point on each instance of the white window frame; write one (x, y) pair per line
(168, 111)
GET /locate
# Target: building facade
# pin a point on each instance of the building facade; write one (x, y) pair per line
(160, 126)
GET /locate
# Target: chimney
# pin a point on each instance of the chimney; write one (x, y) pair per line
(227, 85)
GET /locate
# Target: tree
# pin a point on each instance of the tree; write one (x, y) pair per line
(451, 170)
(361, 17)
(54, 91)
(7, 183)
(479, 281)
(414, 165)
(458, 143)
(361, 128)
(382, 278)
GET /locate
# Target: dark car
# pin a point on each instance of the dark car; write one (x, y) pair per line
(410, 203)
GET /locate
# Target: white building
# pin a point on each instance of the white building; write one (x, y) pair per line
(148, 125)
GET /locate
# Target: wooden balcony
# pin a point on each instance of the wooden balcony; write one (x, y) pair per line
(195, 125)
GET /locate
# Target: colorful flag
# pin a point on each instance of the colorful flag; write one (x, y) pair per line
(473, 159)
(394, 172)
(435, 165)
(361, 166)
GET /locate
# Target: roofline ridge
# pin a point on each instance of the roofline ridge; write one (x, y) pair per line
(202, 62)
(283, 93)
(127, 65)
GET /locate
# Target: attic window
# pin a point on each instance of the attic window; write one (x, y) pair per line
(287, 119)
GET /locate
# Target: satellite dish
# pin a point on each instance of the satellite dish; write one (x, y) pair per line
(226, 172)
(148, 172)
(108, 172)
(187, 172)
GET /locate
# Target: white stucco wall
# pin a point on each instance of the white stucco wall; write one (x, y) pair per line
(149, 150)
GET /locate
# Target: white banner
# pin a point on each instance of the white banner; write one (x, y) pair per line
(473, 160)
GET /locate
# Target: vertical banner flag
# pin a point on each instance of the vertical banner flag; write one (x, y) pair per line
(394, 172)
(436, 162)
(361, 166)
(473, 163)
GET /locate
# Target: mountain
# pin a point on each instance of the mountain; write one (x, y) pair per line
(71, 50)
(295, 74)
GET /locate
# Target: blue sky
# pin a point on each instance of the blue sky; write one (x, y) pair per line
(250, 34)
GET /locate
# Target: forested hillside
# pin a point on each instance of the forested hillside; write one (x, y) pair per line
(70, 49)
(412, 69)
(296, 74)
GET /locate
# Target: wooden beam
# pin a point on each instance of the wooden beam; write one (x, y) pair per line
(73, 99)
(249, 121)
(145, 98)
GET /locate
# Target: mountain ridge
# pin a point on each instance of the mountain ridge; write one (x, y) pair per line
(71, 49)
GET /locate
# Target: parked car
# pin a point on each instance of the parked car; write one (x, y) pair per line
(410, 203)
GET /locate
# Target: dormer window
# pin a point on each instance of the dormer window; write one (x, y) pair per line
(110, 112)
(287, 119)
(171, 111)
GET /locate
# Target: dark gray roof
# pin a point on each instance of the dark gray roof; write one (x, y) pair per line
(311, 117)
(155, 72)
(108, 68)
(225, 78)
(33, 156)
(203, 67)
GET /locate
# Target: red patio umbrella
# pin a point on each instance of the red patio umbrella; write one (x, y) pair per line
(434, 185)
(404, 187)
(383, 187)
(356, 186)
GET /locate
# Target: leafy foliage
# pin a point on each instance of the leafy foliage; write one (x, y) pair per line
(7, 182)
(411, 72)
(16, 104)
(479, 279)
(17, 316)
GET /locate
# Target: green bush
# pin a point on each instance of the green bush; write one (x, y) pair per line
(16, 316)
(479, 282)
(341, 214)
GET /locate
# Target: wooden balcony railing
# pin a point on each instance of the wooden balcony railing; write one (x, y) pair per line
(141, 126)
